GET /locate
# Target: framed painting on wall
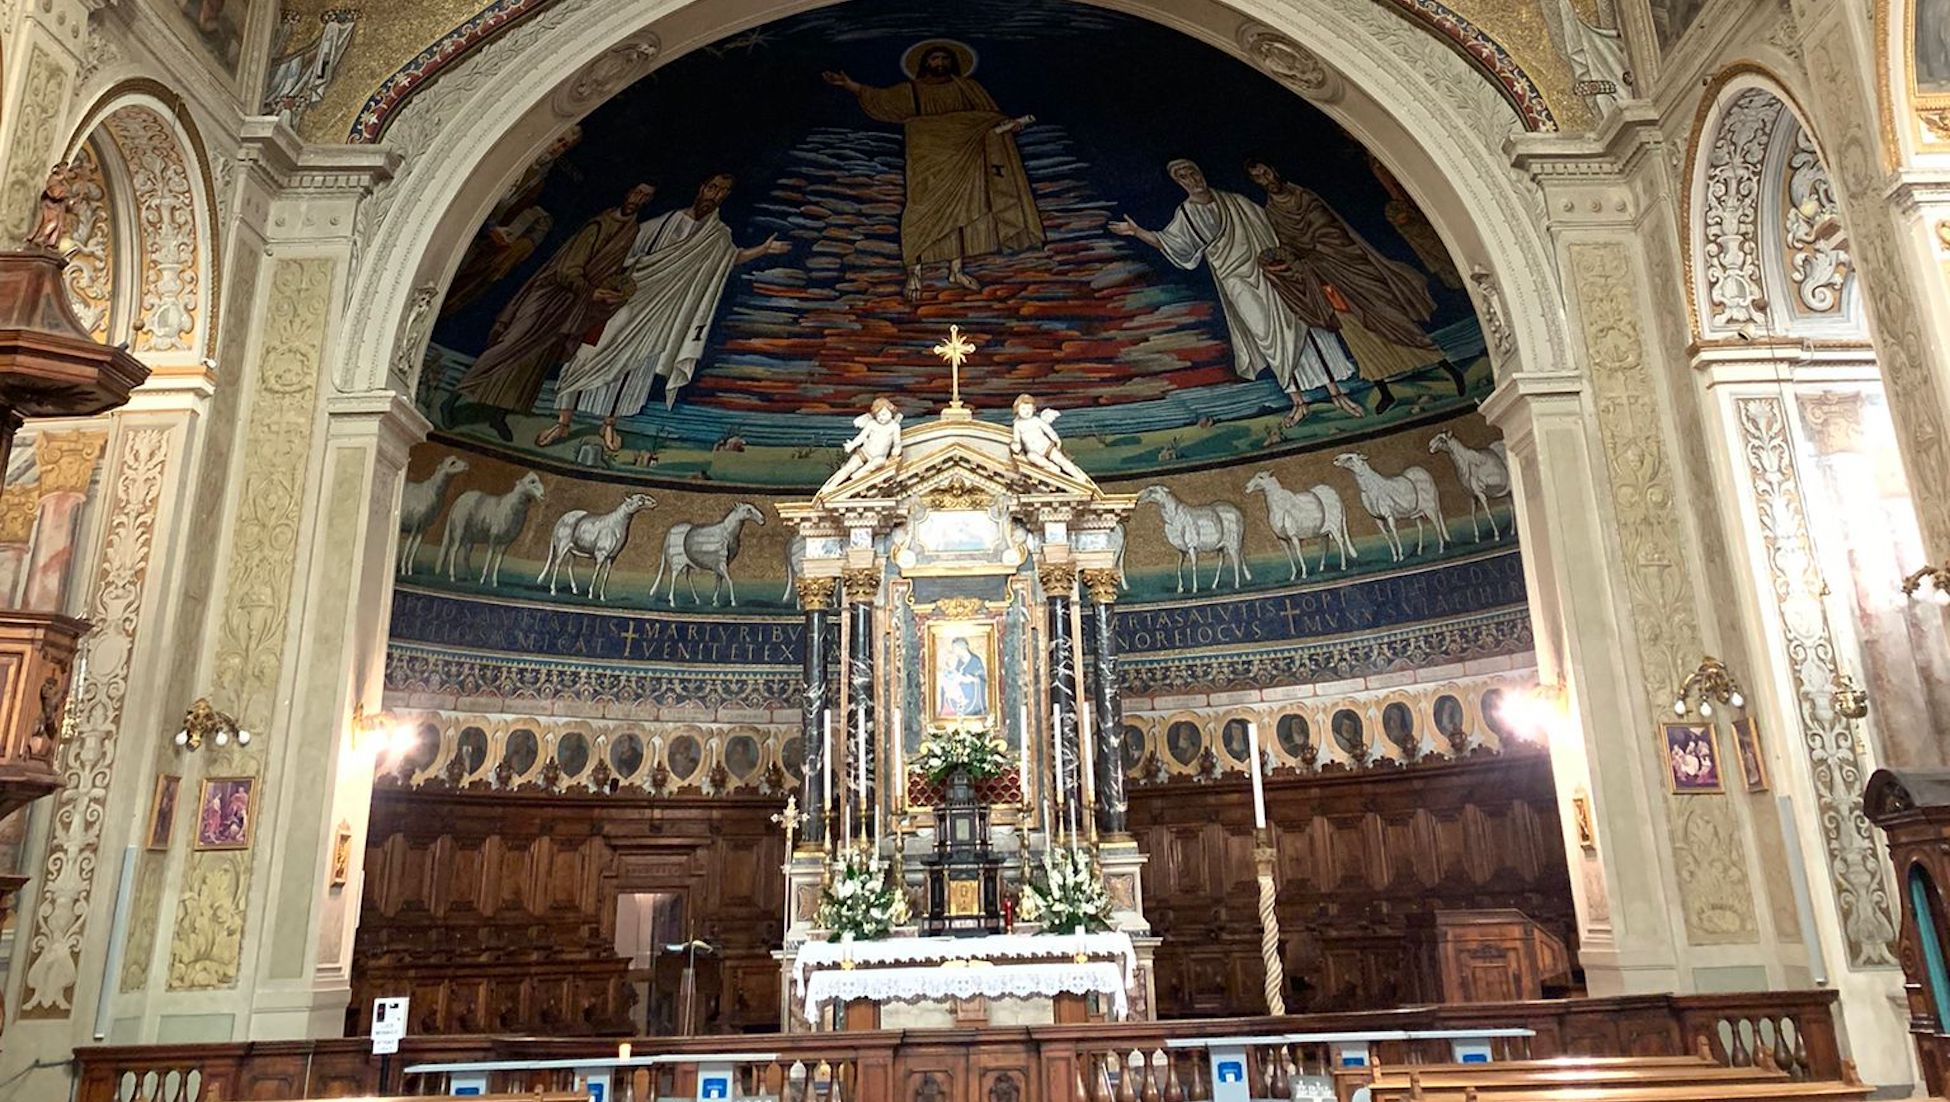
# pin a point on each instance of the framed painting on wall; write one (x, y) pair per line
(961, 663)
(162, 810)
(1692, 758)
(226, 812)
(1746, 747)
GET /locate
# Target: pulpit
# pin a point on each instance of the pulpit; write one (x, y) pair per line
(964, 876)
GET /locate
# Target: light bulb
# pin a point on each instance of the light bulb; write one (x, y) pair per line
(223, 738)
(243, 738)
(1706, 707)
(183, 737)
(1679, 706)
(1940, 597)
(1737, 700)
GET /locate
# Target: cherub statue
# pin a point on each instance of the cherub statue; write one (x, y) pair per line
(55, 196)
(1034, 439)
(877, 443)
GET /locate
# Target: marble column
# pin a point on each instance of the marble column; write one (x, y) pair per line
(1106, 703)
(1059, 581)
(862, 586)
(816, 599)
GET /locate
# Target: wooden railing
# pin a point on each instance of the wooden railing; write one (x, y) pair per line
(1032, 1064)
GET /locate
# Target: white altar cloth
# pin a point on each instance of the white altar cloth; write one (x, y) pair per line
(1110, 944)
(995, 981)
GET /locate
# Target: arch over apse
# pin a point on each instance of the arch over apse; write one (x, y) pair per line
(151, 247)
(1767, 252)
(1436, 121)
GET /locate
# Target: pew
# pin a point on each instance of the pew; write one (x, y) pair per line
(1612, 1079)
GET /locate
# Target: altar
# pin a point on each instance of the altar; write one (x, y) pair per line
(963, 789)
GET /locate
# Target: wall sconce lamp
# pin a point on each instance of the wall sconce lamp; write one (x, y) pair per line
(1929, 583)
(380, 732)
(1849, 700)
(1710, 682)
(203, 722)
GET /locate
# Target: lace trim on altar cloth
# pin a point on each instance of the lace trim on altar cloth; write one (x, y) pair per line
(940, 950)
(1000, 981)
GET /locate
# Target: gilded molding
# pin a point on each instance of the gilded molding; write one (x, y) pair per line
(87, 758)
(1836, 761)
(1709, 855)
(207, 947)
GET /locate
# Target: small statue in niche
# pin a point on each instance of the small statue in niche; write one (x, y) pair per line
(877, 443)
(1033, 438)
(55, 197)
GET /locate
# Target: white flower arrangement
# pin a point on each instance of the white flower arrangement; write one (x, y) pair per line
(1070, 897)
(859, 901)
(981, 758)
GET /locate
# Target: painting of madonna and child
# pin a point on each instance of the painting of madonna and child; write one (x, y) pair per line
(712, 274)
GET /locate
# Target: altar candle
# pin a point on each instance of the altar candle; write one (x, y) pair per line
(623, 1051)
(826, 763)
(899, 775)
(1022, 771)
(860, 758)
(1056, 750)
(1259, 788)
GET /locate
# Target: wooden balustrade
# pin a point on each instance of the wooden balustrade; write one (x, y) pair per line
(1112, 1062)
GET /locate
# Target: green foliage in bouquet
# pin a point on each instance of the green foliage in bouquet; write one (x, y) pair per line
(981, 758)
(1069, 897)
(859, 900)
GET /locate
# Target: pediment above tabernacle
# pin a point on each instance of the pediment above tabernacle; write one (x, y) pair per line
(954, 453)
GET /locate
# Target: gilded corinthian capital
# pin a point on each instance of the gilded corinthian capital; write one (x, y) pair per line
(862, 582)
(1058, 578)
(816, 594)
(1102, 585)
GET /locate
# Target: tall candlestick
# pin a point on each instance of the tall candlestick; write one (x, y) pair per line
(1056, 749)
(1259, 788)
(1022, 770)
(899, 774)
(860, 762)
(826, 765)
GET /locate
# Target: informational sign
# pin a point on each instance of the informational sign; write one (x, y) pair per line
(714, 1081)
(467, 1083)
(1471, 1050)
(1351, 1054)
(1229, 1074)
(388, 1024)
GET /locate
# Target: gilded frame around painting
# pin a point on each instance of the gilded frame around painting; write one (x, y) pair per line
(1689, 771)
(162, 811)
(227, 830)
(1746, 750)
(961, 661)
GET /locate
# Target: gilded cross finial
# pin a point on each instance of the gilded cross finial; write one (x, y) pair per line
(789, 820)
(955, 350)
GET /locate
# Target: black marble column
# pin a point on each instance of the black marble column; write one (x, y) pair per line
(816, 598)
(1106, 703)
(862, 585)
(1058, 581)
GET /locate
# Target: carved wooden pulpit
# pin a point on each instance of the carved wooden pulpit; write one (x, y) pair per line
(49, 367)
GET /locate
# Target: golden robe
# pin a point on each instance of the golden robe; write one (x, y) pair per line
(967, 193)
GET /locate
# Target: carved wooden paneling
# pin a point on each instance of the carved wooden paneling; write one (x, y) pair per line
(496, 911)
(1359, 853)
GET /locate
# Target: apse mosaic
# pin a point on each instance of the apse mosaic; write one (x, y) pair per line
(716, 271)
(672, 319)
